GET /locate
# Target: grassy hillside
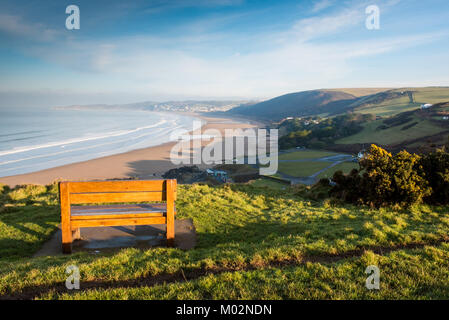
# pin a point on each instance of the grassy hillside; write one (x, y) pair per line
(392, 102)
(361, 92)
(378, 101)
(305, 154)
(393, 135)
(253, 243)
(298, 104)
(409, 129)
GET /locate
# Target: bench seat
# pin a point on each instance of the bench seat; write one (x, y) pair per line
(124, 209)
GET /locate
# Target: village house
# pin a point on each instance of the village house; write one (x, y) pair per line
(426, 106)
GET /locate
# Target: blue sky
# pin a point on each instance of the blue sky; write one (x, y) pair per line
(186, 49)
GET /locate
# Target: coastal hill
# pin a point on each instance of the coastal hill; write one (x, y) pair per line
(298, 104)
(329, 102)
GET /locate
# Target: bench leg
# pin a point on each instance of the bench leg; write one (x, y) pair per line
(171, 234)
(66, 240)
(171, 186)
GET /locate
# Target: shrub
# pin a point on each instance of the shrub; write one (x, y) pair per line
(384, 179)
(436, 169)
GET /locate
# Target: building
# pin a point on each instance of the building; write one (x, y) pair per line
(218, 174)
(426, 106)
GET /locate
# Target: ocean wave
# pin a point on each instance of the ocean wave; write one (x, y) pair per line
(163, 132)
(78, 140)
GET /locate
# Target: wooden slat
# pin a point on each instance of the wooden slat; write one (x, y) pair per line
(117, 222)
(118, 216)
(117, 186)
(77, 198)
(119, 209)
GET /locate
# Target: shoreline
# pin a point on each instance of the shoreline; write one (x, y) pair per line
(144, 163)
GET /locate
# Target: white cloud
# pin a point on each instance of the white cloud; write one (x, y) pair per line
(321, 5)
(311, 28)
(16, 26)
(283, 62)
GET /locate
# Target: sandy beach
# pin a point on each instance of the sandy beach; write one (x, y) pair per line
(144, 163)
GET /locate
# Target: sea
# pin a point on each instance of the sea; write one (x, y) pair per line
(37, 139)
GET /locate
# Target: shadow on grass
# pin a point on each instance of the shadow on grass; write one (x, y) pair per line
(25, 224)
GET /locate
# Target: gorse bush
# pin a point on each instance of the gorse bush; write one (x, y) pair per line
(404, 179)
(436, 168)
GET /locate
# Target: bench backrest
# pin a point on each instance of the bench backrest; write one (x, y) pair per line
(117, 191)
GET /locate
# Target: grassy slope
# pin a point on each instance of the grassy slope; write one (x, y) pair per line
(402, 104)
(392, 135)
(417, 274)
(303, 168)
(346, 167)
(241, 226)
(305, 154)
(360, 92)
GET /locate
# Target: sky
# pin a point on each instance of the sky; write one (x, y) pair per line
(130, 51)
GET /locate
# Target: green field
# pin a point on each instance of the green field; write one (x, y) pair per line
(305, 154)
(431, 95)
(253, 243)
(303, 168)
(397, 105)
(392, 135)
(346, 167)
(390, 107)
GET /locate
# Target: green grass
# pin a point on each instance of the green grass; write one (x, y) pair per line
(360, 92)
(268, 183)
(392, 135)
(240, 227)
(28, 216)
(432, 95)
(406, 274)
(346, 167)
(305, 154)
(389, 107)
(402, 104)
(303, 168)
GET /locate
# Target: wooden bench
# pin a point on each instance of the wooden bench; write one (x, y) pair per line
(142, 213)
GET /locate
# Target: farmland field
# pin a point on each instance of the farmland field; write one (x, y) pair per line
(303, 168)
(305, 154)
(394, 106)
(392, 135)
